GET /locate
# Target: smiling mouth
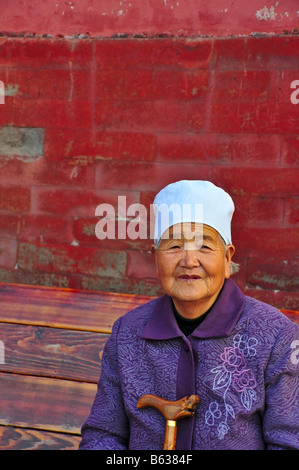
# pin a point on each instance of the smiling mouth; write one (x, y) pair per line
(192, 277)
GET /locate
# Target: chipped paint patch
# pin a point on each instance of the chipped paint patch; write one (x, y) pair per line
(121, 10)
(171, 4)
(11, 90)
(265, 14)
(24, 142)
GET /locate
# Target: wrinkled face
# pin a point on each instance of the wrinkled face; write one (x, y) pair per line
(192, 264)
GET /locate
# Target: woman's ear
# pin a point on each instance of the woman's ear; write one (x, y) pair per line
(230, 250)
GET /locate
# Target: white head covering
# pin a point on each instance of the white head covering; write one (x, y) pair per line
(193, 201)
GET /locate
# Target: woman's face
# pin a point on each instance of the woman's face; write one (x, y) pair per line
(192, 264)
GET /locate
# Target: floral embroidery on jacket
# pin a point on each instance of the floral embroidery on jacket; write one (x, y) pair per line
(233, 373)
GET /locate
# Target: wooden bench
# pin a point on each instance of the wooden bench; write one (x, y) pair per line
(51, 345)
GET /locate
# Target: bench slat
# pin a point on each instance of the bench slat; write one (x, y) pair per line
(45, 403)
(64, 308)
(52, 352)
(12, 438)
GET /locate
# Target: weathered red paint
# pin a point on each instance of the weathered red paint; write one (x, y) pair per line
(149, 17)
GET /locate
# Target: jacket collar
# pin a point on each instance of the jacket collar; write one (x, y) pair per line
(220, 321)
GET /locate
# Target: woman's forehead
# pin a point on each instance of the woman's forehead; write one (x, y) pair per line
(189, 230)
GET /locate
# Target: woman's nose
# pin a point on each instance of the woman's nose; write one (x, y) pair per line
(190, 259)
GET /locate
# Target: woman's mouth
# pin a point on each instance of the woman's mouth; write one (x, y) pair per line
(189, 277)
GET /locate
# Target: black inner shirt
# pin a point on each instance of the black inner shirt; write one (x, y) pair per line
(187, 325)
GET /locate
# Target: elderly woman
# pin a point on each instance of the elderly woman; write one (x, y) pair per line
(203, 337)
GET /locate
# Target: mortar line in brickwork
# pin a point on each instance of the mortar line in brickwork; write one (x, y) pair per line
(93, 74)
(280, 150)
(145, 36)
(207, 124)
(33, 205)
(283, 212)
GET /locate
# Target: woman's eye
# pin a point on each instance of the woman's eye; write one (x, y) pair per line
(205, 247)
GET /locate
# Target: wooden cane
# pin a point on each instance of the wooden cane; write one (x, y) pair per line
(172, 411)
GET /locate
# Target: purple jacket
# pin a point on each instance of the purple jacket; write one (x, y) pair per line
(240, 361)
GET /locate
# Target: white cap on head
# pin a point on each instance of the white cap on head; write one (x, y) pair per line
(193, 201)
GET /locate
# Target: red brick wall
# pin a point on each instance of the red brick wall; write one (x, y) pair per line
(128, 116)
